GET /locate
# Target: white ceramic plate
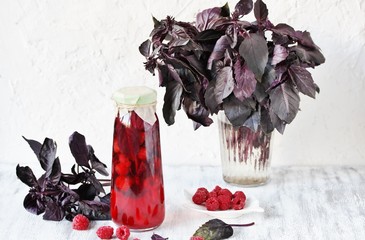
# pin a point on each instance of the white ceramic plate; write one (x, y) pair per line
(251, 206)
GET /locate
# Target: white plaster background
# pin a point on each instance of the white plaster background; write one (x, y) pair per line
(60, 61)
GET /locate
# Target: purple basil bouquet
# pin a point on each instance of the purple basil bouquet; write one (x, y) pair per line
(253, 71)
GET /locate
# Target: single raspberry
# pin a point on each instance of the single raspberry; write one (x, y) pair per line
(224, 202)
(212, 194)
(239, 194)
(212, 204)
(217, 189)
(200, 196)
(238, 203)
(105, 232)
(196, 238)
(122, 232)
(225, 191)
(204, 190)
(80, 222)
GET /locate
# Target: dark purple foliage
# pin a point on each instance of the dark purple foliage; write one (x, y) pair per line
(157, 237)
(50, 193)
(221, 62)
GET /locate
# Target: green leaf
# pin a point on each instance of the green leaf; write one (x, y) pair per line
(255, 52)
(214, 229)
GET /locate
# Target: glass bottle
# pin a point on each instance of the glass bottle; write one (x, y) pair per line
(137, 189)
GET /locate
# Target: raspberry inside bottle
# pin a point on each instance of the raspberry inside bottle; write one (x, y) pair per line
(137, 190)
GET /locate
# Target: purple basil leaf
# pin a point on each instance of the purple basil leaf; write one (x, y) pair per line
(157, 237)
(255, 52)
(261, 12)
(277, 122)
(86, 191)
(47, 155)
(206, 18)
(79, 149)
(73, 178)
(284, 29)
(243, 7)
(98, 186)
(96, 164)
(317, 88)
(225, 12)
(196, 64)
(172, 101)
(35, 146)
(311, 56)
(280, 54)
(245, 81)
(285, 101)
(94, 210)
(196, 112)
(156, 23)
(145, 47)
(53, 212)
(210, 100)
(174, 74)
(224, 84)
(105, 199)
(236, 111)
(214, 229)
(303, 80)
(67, 196)
(261, 88)
(253, 121)
(183, 70)
(305, 39)
(208, 35)
(33, 204)
(219, 50)
(163, 74)
(55, 175)
(26, 175)
(265, 121)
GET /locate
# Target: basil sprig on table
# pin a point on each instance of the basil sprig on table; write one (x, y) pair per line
(51, 193)
(216, 229)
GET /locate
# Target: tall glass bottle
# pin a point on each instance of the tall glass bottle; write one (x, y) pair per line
(137, 190)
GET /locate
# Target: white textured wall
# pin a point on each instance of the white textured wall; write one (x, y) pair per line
(60, 61)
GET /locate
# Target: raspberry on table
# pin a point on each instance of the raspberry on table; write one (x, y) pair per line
(212, 204)
(105, 232)
(224, 202)
(122, 232)
(80, 222)
(238, 203)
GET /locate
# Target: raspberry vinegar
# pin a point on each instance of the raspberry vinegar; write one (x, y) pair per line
(137, 190)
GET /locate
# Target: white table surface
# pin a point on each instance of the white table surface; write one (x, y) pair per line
(300, 203)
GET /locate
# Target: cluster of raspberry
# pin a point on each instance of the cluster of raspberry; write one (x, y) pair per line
(219, 199)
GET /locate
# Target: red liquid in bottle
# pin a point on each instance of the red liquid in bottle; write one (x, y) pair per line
(137, 193)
